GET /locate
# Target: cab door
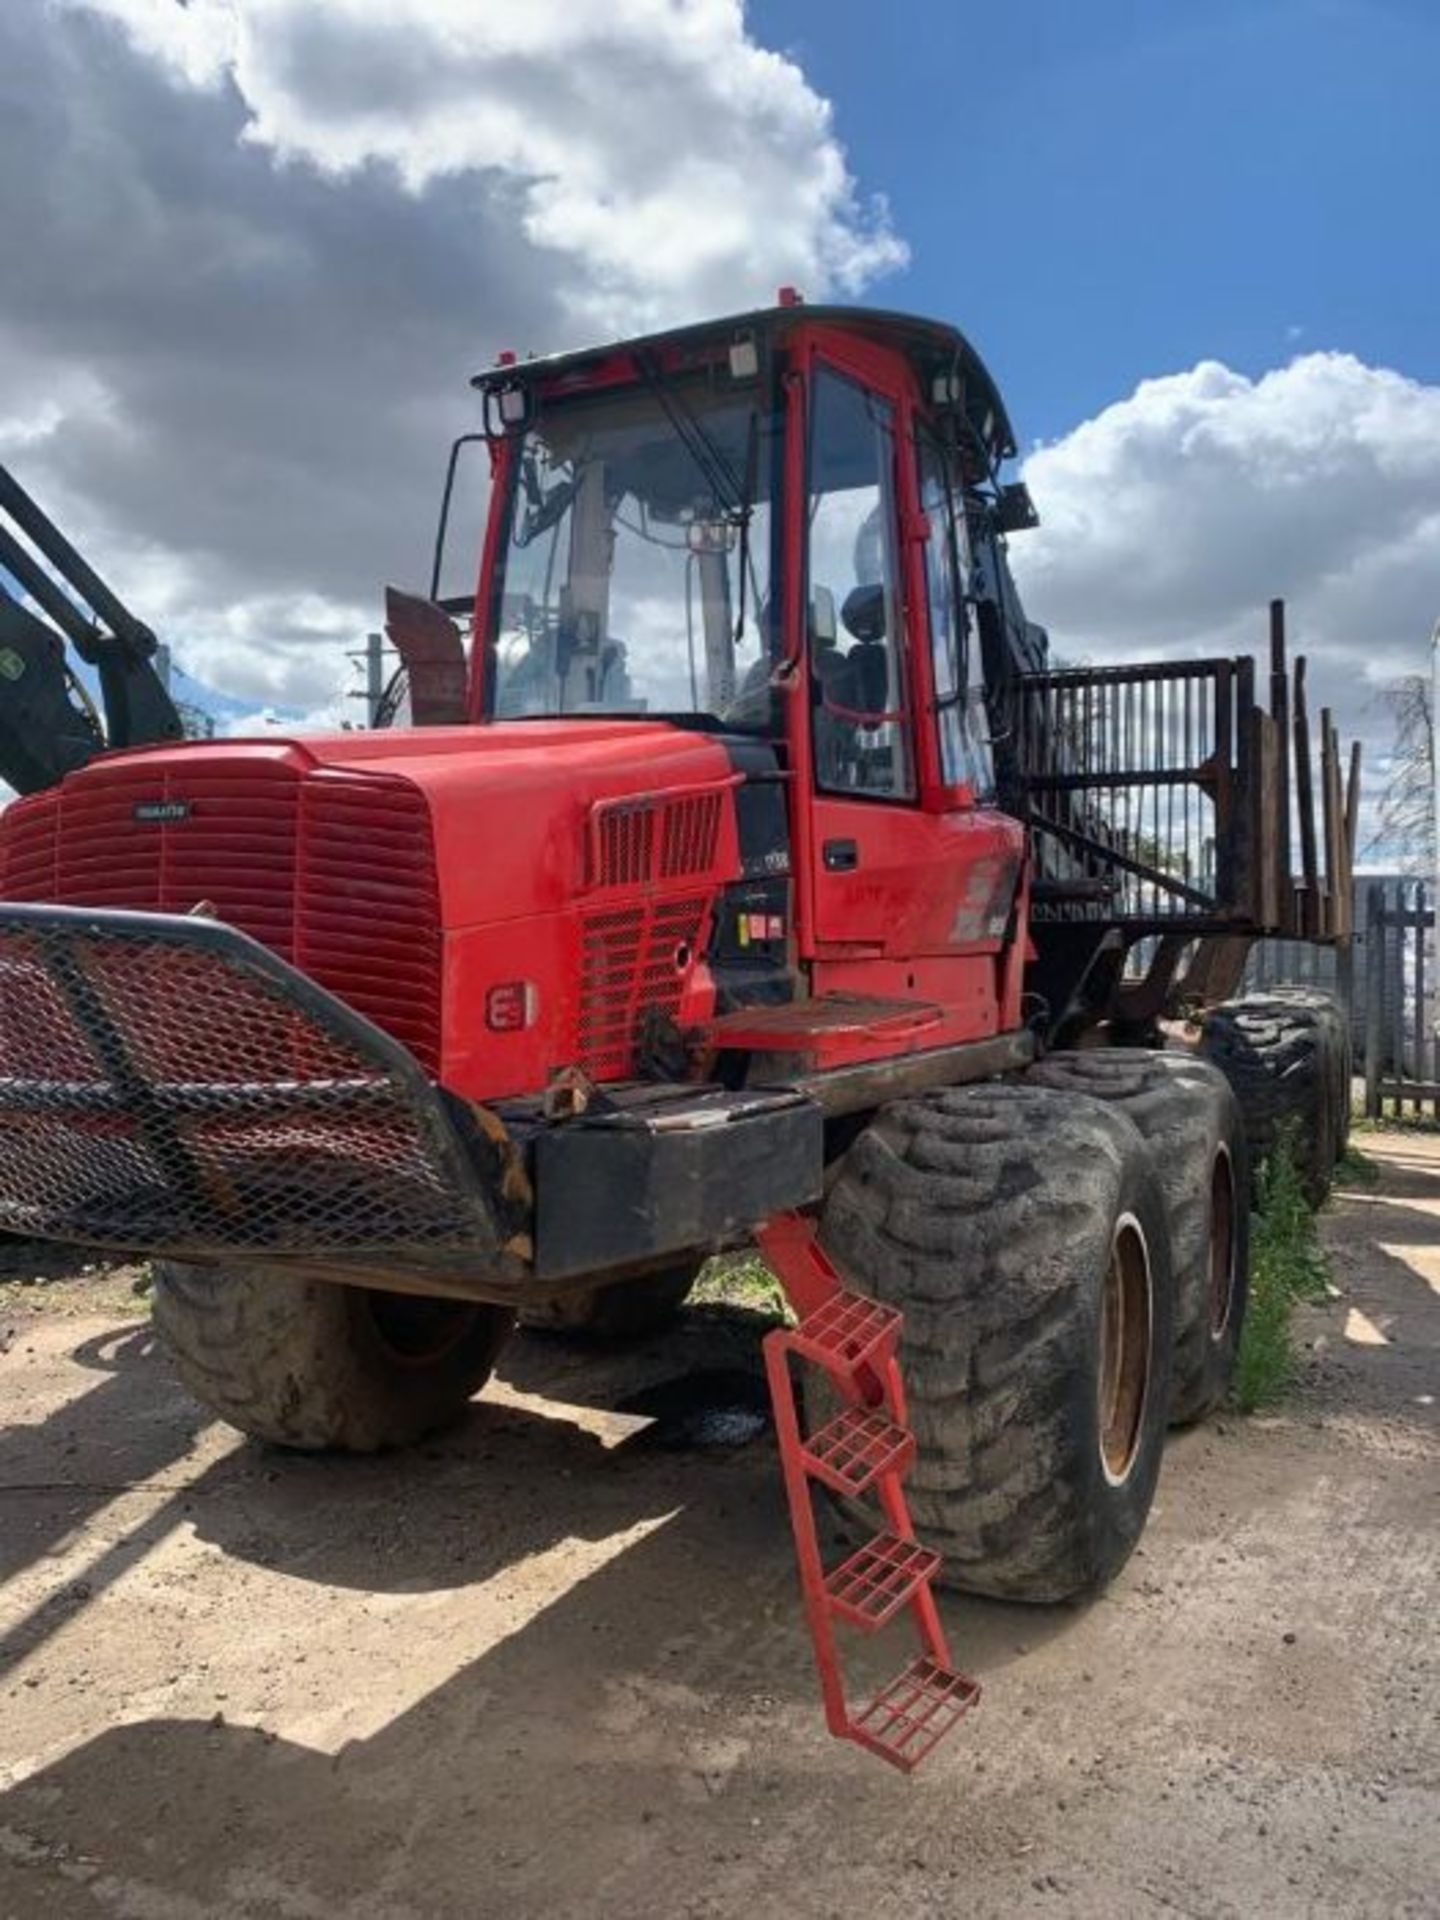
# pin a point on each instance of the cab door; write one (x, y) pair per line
(905, 862)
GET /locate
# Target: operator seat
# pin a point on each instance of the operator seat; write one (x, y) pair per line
(863, 616)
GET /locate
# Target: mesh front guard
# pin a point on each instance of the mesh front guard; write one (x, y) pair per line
(169, 1086)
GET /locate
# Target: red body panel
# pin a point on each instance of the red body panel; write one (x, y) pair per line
(936, 878)
(410, 873)
(926, 883)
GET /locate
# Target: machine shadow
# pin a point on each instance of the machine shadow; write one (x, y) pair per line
(56, 1473)
(673, 1682)
(659, 1702)
(507, 1482)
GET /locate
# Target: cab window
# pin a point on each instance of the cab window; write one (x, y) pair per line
(955, 646)
(857, 685)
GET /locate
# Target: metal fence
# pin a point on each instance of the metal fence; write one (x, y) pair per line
(1398, 1048)
(1389, 983)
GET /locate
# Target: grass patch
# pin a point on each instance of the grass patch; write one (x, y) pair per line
(62, 1282)
(1286, 1264)
(1354, 1170)
(741, 1280)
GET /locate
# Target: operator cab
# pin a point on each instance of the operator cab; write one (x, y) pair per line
(787, 530)
(638, 556)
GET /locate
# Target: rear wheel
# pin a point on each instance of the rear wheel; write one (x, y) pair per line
(624, 1310)
(1021, 1231)
(1184, 1111)
(1334, 1022)
(307, 1364)
(1287, 1058)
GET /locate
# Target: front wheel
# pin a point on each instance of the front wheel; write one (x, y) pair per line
(308, 1364)
(1022, 1232)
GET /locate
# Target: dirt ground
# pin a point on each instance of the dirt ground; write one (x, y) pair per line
(553, 1664)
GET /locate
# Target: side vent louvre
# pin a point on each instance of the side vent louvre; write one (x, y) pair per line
(649, 851)
(624, 838)
(689, 833)
(632, 960)
(644, 838)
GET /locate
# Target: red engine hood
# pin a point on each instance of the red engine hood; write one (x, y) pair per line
(410, 873)
(509, 802)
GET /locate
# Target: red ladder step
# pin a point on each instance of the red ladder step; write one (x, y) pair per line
(914, 1712)
(850, 1453)
(847, 1334)
(883, 1576)
(865, 1448)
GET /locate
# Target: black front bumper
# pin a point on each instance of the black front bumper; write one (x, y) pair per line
(170, 1087)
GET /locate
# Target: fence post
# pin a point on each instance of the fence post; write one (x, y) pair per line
(1397, 1009)
(1374, 993)
(1421, 1063)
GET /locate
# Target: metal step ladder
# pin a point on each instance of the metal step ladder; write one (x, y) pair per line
(864, 1449)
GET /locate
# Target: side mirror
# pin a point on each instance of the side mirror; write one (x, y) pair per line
(822, 617)
(1015, 511)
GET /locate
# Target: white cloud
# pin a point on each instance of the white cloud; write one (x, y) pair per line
(265, 243)
(674, 165)
(1172, 518)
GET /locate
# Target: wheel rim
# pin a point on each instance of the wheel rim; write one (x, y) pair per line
(417, 1330)
(1222, 1244)
(1125, 1316)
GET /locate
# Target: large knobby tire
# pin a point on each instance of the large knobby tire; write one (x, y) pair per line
(1332, 1020)
(1286, 1056)
(1022, 1233)
(1187, 1116)
(310, 1365)
(623, 1310)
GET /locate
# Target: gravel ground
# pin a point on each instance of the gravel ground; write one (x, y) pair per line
(553, 1664)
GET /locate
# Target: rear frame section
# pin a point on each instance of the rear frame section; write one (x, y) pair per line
(1158, 799)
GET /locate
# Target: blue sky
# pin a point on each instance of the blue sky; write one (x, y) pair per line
(1105, 191)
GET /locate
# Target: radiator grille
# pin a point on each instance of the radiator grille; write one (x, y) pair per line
(633, 959)
(27, 850)
(333, 871)
(367, 923)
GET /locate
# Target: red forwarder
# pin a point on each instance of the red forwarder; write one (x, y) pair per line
(754, 876)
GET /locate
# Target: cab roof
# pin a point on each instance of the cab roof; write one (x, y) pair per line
(932, 346)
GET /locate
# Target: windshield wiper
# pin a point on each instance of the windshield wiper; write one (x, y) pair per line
(746, 509)
(707, 453)
(734, 494)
